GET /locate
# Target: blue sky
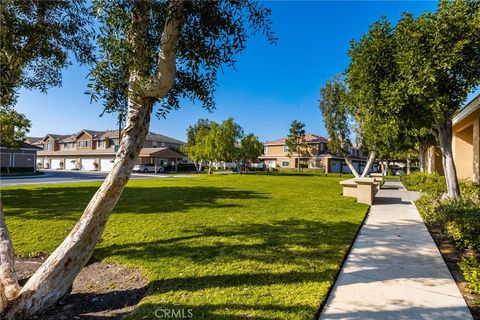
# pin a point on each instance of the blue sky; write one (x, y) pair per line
(272, 86)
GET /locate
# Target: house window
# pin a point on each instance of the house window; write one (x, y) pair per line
(154, 144)
(80, 144)
(265, 150)
(113, 142)
(65, 145)
(285, 148)
(285, 163)
(86, 143)
(101, 144)
(322, 147)
(49, 146)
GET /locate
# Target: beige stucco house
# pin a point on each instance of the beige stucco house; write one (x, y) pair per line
(95, 150)
(465, 144)
(466, 141)
(315, 156)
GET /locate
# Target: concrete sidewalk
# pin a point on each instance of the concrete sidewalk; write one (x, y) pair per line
(394, 270)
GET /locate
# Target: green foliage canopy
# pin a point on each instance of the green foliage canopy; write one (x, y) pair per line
(37, 38)
(212, 34)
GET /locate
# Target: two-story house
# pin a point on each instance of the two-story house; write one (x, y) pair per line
(316, 155)
(96, 150)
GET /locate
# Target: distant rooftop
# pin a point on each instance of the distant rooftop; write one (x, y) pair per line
(309, 137)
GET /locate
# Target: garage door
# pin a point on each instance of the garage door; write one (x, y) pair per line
(70, 163)
(335, 166)
(106, 164)
(56, 163)
(24, 160)
(87, 164)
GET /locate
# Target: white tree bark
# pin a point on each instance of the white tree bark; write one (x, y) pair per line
(8, 277)
(421, 157)
(445, 140)
(351, 167)
(371, 157)
(3, 298)
(408, 164)
(431, 157)
(56, 275)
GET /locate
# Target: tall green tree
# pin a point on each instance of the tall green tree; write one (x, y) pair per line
(338, 120)
(439, 63)
(172, 50)
(250, 149)
(295, 142)
(13, 127)
(371, 75)
(227, 138)
(194, 148)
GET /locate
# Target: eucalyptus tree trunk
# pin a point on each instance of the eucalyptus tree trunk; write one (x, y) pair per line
(445, 141)
(351, 167)
(55, 276)
(371, 157)
(408, 164)
(9, 287)
(431, 156)
(421, 157)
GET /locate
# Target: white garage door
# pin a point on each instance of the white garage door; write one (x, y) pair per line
(87, 164)
(106, 164)
(56, 163)
(70, 163)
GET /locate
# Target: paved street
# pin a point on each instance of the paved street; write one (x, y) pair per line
(60, 176)
(394, 270)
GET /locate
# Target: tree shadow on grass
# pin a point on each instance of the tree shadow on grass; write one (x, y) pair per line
(294, 241)
(69, 203)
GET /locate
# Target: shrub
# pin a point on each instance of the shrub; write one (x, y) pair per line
(460, 219)
(433, 184)
(471, 271)
(470, 191)
(16, 169)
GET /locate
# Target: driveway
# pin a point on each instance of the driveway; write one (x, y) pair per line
(60, 176)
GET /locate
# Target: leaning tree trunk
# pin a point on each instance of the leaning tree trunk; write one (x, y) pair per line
(445, 141)
(9, 287)
(371, 157)
(55, 277)
(351, 167)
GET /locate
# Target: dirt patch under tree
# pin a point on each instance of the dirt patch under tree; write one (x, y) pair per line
(101, 291)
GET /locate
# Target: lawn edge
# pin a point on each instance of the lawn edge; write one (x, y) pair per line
(337, 274)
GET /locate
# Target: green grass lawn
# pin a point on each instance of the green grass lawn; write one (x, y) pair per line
(228, 247)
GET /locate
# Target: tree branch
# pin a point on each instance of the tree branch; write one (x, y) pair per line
(8, 277)
(160, 84)
(26, 52)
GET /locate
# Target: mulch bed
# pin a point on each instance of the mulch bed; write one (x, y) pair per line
(101, 290)
(452, 257)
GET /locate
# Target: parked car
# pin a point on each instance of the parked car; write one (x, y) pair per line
(258, 167)
(146, 168)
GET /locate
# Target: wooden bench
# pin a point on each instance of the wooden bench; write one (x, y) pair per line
(364, 189)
